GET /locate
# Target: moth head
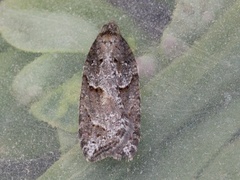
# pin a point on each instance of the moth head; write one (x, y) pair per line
(110, 28)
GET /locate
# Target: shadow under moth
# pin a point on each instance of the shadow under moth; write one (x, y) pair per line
(109, 111)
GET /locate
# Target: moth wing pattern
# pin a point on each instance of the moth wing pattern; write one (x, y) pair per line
(109, 111)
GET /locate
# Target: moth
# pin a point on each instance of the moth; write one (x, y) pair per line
(109, 110)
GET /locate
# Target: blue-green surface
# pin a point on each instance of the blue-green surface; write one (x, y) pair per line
(190, 88)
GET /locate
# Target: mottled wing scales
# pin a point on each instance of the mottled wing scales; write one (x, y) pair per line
(109, 112)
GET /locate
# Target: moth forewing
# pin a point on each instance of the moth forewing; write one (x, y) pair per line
(109, 111)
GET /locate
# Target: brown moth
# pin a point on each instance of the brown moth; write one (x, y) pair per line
(109, 111)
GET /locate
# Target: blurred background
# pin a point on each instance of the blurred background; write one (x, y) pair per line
(189, 65)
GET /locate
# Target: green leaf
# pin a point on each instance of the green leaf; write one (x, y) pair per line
(43, 74)
(21, 135)
(43, 31)
(60, 107)
(67, 140)
(226, 164)
(190, 154)
(66, 26)
(196, 81)
(69, 164)
(189, 23)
